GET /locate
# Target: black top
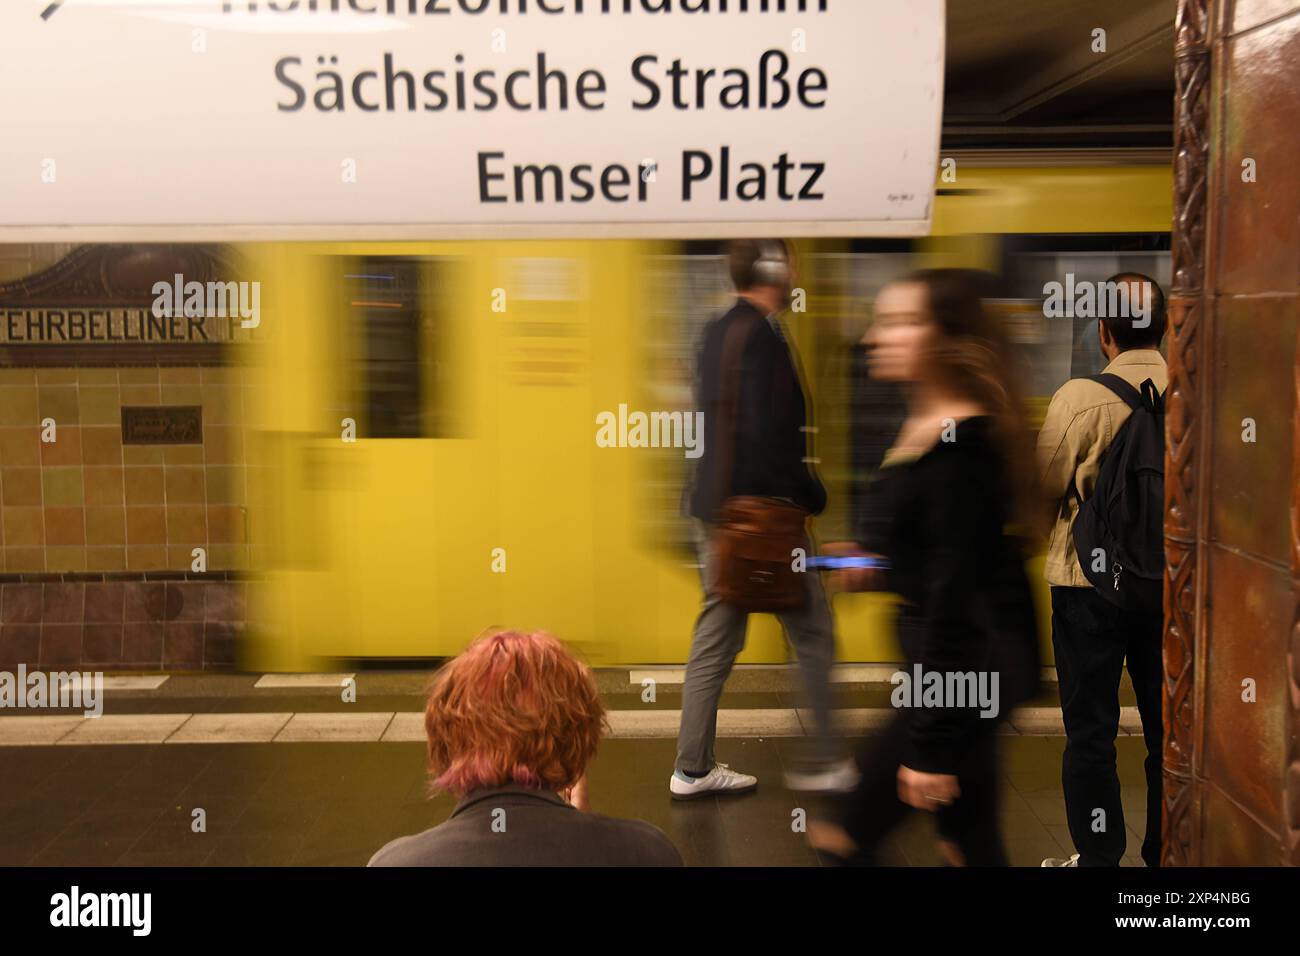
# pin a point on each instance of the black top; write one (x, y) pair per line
(515, 826)
(770, 443)
(967, 605)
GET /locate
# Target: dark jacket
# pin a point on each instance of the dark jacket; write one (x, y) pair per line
(967, 605)
(540, 829)
(770, 442)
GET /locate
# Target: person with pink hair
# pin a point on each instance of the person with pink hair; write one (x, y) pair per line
(512, 724)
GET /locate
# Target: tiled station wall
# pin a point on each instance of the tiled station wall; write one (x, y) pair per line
(85, 502)
(113, 623)
(97, 538)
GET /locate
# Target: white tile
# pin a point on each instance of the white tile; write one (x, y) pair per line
(1039, 721)
(128, 681)
(643, 723)
(864, 673)
(302, 680)
(406, 726)
(303, 728)
(774, 722)
(1130, 720)
(36, 731)
(229, 729)
(126, 729)
(1037, 713)
(660, 675)
(759, 722)
(840, 674)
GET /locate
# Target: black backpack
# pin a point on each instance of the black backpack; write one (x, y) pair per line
(1124, 516)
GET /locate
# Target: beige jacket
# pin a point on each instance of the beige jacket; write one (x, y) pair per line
(1080, 423)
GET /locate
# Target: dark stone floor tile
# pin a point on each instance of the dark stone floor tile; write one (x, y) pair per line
(99, 851)
(336, 804)
(697, 831)
(15, 851)
(279, 813)
(61, 794)
(1032, 852)
(237, 772)
(30, 828)
(193, 854)
(154, 787)
(27, 766)
(765, 834)
(244, 850)
(171, 829)
(221, 812)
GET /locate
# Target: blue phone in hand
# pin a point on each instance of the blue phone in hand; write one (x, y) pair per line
(831, 562)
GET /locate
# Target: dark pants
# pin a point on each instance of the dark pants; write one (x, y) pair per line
(1093, 638)
(872, 811)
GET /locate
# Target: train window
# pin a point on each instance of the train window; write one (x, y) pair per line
(691, 290)
(857, 417)
(1031, 262)
(384, 296)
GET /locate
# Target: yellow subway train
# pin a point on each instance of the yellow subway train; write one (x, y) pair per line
(424, 416)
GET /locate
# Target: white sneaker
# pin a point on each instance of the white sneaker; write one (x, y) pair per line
(721, 779)
(1053, 861)
(839, 777)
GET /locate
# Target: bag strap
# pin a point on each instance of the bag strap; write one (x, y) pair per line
(1148, 398)
(1132, 398)
(1154, 398)
(733, 346)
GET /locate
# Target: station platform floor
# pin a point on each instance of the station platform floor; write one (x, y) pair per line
(288, 773)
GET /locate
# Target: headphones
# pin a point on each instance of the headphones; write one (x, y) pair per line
(773, 266)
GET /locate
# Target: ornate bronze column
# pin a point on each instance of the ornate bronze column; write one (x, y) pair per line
(1291, 789)
(1184, 425)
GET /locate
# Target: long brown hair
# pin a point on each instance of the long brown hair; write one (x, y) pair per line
(975, 358)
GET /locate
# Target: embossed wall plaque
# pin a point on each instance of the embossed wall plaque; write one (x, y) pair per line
(162, 425)
(110, 325)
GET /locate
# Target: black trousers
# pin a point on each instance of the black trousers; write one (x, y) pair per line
(873, 810)
(1093, 638)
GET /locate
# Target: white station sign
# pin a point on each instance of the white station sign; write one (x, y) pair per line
(246, 119)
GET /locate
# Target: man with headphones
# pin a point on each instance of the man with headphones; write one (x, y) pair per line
(755, 443)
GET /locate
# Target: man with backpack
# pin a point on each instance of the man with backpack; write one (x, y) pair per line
(1101, 450)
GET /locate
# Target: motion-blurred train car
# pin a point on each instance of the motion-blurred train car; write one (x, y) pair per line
(427, 414)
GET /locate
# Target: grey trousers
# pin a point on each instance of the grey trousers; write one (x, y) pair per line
(720, 637)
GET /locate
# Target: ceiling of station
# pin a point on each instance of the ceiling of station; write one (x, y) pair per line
(1024, 73)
